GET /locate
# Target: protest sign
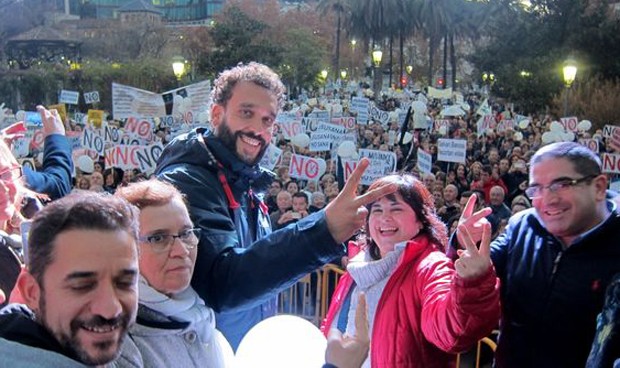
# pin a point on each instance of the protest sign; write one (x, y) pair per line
(21, 147)
(569, 123)
(382, 163)
(93, 141)
(75, 139)
(306, 168)
(143, 128)
(95, 118)
(592, 144)
(62, 110)
(271, 157)
(379, 115)
(291, 128)
(359, 105)
(611, 163)
(69, 97)
(91, 97)
(134, 157)
(425, 161)
(451, 150)
(485, 123)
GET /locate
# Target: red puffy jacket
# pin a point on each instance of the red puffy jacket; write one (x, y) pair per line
(426, 312)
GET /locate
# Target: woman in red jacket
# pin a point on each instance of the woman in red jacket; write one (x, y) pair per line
(422, 308)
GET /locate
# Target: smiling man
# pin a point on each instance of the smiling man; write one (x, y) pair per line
(241, 265)
(80, 287)
(555, 260)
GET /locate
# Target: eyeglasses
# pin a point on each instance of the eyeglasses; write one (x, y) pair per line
(11, 174)
(556, 186)
(161, 243)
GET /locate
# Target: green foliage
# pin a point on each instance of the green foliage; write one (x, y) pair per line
(237, 38)
(301, 59)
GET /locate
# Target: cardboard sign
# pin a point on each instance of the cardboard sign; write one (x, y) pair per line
(592, 144)
(62, 110)
(95, 118)
(379, 115)
(348, 122)
(134, 157)
(306, 168)
(93, 141)
(91, 97)
(271, 157)
(611, 163)
(382, 163)
(485, 123)
(360, 106)
(451, 150)
(425, 161)
(69, 97)
(21, 147)
(290, 129)
(569, 123)
(143, 128)
(438, 123)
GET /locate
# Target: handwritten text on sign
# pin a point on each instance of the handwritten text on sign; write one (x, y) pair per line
(306, 168)
(611, 163)
(451, 150)
(382, 163)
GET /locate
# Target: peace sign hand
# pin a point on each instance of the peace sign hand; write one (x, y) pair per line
(474, 222)
(473, 262)
(347, 212)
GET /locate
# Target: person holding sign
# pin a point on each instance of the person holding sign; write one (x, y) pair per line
(554, 260)
(241, 265)
(422, 307)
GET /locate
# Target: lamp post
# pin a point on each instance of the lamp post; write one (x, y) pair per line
(343, 74)
(324, 78)
(569, 72)
(178, 67)
(377, 55)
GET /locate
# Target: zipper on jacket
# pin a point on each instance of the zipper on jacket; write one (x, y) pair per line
(556, 261)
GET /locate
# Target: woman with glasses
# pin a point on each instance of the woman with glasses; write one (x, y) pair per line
(174, 328)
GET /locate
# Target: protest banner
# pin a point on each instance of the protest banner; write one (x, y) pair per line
(69, 97)
(451, 150)
(306, 168)
(271, 157)
(505, 125)
(310, 124)
(134, 157)
(485, 123)
(143, 128)
(348, 122)
(321, 115)
(569, 123)
(438, 123)
(425, 161)
(382, 163)
(611, 163)
(348, 165)
(439, 93)
(20, 147)
(129, 101)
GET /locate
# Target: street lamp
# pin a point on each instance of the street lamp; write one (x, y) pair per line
(324, 78)
(178, 67)
(343, 74)
(376, 61)
(409, 69)
(569, 72)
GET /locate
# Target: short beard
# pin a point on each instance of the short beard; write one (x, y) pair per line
(71, 345)
(229, 139)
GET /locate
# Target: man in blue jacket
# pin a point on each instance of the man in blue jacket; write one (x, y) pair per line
(555, 260)
(241, 265)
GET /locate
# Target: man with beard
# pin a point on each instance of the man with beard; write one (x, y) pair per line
(241, 265)
(79, 287)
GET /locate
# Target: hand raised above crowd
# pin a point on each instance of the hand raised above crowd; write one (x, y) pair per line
(473, 222)
(347, 212)
(52, 123)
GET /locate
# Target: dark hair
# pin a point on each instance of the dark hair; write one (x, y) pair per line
(152, 192)
(415, 194)
(256, 73)
(583, 159)
(80, 210)
(301, 195)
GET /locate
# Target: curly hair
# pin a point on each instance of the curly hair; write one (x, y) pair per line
(256, 73)
(415, 194)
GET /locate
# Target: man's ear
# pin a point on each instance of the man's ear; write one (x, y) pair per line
(28, 290)
(217, 115)
(601, 187)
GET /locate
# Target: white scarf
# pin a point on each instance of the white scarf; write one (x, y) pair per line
(185, 306)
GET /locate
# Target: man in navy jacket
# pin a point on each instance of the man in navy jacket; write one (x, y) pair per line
(555, 260)
(241, 265)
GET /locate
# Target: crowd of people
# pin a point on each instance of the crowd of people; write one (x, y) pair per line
(518, 237)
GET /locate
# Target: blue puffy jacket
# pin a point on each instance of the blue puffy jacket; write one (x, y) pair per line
(241, 265)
